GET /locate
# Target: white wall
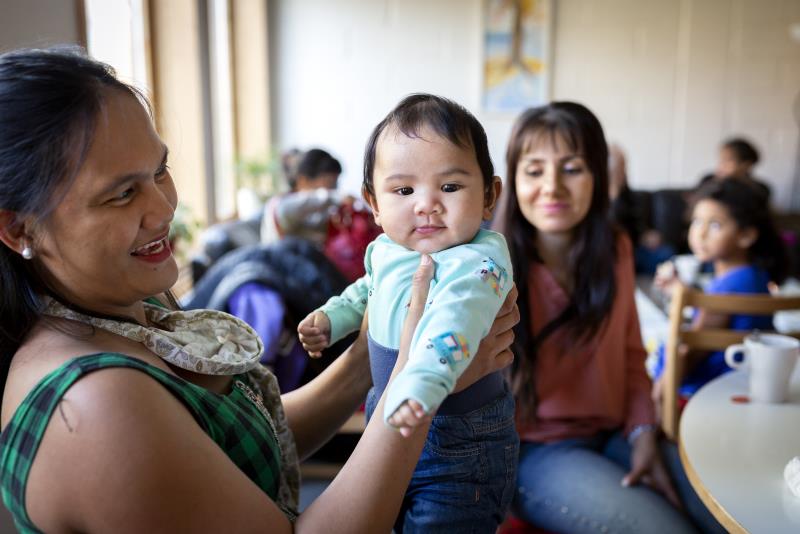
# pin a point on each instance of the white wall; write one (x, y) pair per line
(339, 67)
(37, 23)
(668, 79)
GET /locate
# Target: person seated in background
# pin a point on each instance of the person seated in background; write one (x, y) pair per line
(590, 459)
(649, 246)
(737, 157)
(732, 229)
(306, 209)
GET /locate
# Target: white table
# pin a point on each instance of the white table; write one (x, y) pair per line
(734, 455)
(654, 325)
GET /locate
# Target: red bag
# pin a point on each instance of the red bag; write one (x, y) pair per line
(350, 230)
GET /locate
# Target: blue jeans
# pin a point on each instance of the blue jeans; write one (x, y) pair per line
(574, 486)
(464, 481)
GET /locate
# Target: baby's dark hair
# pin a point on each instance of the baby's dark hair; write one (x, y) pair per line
(445, 117)
(750, 210)
(744, 150)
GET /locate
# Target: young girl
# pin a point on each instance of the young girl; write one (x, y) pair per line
(584, 413)
(731, 228)
(430, 181)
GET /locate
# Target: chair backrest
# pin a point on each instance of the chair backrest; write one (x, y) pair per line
(707, 339)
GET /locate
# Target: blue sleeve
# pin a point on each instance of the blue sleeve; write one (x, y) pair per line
(470, 287)
(746, 279)
(346, 311)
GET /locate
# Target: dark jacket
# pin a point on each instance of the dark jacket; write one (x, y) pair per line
(295, 268)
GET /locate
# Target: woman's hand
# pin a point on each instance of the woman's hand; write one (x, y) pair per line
(647, 467)
(657, 394)
(411, 415)
(494, 352)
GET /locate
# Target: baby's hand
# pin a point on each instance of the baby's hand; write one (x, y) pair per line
(408, 416)
(315, 333)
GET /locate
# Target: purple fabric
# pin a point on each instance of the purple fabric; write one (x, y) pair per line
(262, 308)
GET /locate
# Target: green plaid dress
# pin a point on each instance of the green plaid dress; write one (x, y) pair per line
(230, 420)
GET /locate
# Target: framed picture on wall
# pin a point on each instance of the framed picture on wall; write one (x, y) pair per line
(517, 54)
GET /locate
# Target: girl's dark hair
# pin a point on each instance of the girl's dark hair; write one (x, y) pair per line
(591, 257)
(445, 117)
(49, 103)
(744, 150)
(750, 209)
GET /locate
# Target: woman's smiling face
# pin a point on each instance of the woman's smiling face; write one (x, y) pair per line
(554, 185)
(104, 247)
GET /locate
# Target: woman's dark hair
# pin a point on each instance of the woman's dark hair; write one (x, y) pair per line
(744, 150)
(49, 103)
(750, 209)
(315, 162)
(445, 117)
(591, 257)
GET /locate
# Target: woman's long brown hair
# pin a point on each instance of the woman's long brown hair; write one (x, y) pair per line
(591, 257)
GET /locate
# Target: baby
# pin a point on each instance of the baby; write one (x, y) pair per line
(430, 182)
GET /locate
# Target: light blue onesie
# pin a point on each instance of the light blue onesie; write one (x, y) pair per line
(470, 283)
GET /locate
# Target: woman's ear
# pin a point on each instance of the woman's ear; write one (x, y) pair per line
(747, 237)
(373, 204)
(490, 199)
(12, 232)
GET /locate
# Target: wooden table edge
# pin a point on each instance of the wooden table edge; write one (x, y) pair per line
(716, 509)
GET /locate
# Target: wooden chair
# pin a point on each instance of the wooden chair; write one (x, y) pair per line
(707, 339)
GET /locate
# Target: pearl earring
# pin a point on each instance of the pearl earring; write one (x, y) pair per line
(27, 252)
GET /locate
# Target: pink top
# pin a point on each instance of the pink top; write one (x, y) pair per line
(598, 385)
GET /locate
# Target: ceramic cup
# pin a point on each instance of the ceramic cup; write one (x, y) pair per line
(687, 267)
(770, 359)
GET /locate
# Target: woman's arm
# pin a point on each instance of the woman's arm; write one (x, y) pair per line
(367, 493)
(317, 410)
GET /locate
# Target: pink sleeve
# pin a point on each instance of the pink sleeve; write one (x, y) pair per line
(639, 405)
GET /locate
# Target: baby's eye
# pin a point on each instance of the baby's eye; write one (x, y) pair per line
(535, 173)
(451, 188)
(404, 191)
(573, 170)
(714, 225)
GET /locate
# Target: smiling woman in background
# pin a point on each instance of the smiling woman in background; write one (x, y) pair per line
(589, 454)
(121, 413)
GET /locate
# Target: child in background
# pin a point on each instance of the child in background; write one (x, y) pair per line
(731, 228)
(306, 209)
(430, 181)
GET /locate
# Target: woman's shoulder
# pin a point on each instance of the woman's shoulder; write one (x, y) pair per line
(47, 349)
(622, 243)
(111, 430)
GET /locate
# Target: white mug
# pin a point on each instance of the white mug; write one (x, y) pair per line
(770, 358)
(687, 267)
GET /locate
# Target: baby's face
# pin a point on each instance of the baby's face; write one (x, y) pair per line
(429, 193)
